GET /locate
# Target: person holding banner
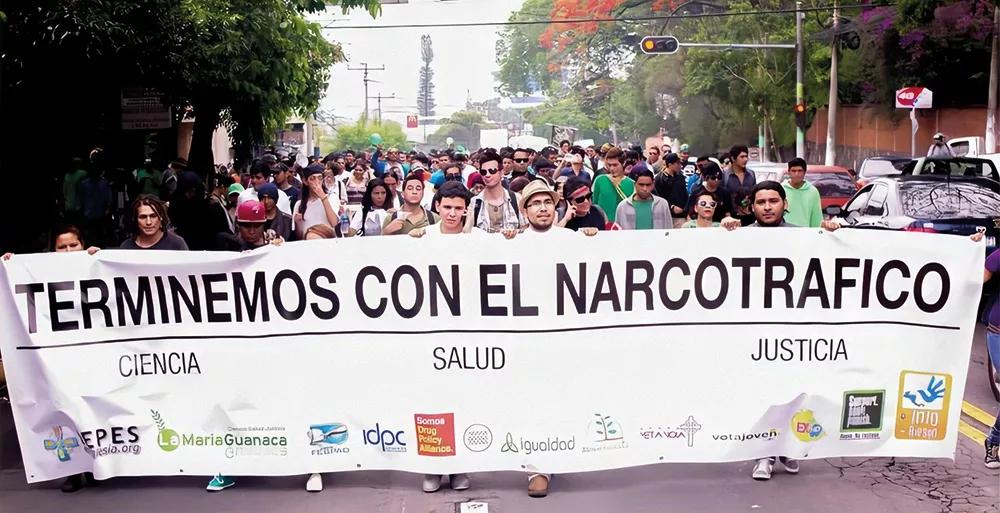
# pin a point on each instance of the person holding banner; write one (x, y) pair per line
(769, 204)
(68, 240)
(148, 224)
(992, 441)
(451, 201)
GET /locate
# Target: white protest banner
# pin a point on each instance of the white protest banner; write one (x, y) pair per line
(557, 353)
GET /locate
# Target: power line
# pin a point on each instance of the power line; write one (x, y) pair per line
(625, 19)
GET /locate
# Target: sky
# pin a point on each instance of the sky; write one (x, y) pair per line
(464, 57)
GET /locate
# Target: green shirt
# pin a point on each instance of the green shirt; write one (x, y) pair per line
(643, 214)
(606, 195)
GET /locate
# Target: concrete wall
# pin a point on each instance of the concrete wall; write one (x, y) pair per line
(868, 131)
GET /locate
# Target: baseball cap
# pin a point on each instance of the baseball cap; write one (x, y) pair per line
(250, 211)
(534, 188)
(939, 135)
(672, 158)
(685, 147)
(235, 188)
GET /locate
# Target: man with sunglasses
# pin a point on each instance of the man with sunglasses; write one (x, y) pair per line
(711, 181)
(643, 210)
(495, 209)
(581, 212)
(671, 185)
(521, 159)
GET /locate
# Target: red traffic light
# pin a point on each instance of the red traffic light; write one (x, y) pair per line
(800, 108)
(659, 45)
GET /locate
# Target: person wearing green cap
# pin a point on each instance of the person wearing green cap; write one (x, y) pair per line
(232, 198)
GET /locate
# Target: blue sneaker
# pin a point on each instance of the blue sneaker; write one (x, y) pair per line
(219, 483)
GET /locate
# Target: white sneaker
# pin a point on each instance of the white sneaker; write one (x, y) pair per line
(314, 483)
(762, 471)
(432, 483)
(460, 481)
(791, 466)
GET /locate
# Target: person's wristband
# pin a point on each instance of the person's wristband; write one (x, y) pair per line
(324, 198)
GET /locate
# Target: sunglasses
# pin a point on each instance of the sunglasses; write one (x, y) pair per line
(454, 178)
(712, 177)
(488, 172)
(583, 199)
(520, 161)
(707, 204)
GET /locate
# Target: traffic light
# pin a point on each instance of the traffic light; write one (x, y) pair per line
(800, 116)
(659, 45)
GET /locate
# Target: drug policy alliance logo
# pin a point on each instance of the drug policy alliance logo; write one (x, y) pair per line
(805, 427)
(922, 405)
(60, 444)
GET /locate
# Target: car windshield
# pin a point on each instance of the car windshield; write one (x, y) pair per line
(880, 167)
(944, 200)
(832, 184)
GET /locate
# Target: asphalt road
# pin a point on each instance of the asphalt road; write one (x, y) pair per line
(839, 485)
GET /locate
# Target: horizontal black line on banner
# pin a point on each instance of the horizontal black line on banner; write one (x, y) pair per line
(463, 331)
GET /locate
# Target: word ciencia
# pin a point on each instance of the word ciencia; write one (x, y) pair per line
(497, 290)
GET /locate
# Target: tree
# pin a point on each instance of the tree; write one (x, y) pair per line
(356, 136)
(425, 93)
(463, 126)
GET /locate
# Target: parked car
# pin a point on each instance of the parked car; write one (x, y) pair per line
(926, 203)
(833, 183)
(955, 167)
(875, 167)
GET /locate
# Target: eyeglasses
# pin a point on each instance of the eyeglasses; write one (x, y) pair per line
(707, 204)
(547, 202)
(521, 161)
(583, 199)
(488, 172)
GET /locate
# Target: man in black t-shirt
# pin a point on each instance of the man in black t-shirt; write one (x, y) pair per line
(581, 213)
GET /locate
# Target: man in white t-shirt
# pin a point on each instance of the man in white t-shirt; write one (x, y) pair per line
(451, 202)
(260, 174)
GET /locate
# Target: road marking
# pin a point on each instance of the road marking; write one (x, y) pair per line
(974, 434)
(977, 413)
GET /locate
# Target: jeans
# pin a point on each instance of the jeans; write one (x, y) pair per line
(993, 342)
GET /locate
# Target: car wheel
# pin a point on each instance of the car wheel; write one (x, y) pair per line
(994, 375)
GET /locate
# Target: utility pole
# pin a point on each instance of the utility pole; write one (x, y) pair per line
(364, 67)
(831, 116)
(379, 99)
(800, 132)
(992, 130)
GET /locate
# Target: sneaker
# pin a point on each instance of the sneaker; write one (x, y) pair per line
(538, 485)
(791, 466)
(219, 483)
(432, 483)
(992, 459)
(459, 481)
(762, 471)
(314, 483)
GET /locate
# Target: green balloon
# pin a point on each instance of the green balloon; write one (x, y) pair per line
(375, 139)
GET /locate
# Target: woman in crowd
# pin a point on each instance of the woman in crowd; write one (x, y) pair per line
(703, 211)
(376, 204)
(357, 185)
(317, 205)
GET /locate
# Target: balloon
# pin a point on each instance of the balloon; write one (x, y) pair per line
(375, 139)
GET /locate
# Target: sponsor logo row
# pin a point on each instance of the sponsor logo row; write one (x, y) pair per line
(921, 414)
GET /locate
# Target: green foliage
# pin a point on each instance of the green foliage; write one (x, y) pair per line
(355, 137)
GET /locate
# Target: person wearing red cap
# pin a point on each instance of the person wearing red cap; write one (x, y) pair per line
(250, 233)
